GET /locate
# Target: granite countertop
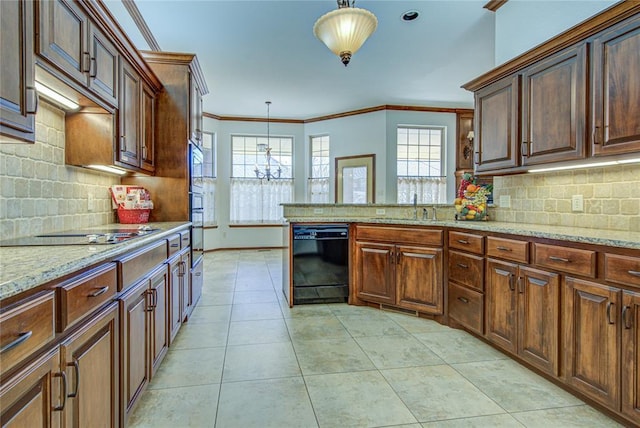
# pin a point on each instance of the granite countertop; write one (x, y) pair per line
(612, 238)
(24, 268)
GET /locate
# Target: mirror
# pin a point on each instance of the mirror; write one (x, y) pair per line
(355, 179)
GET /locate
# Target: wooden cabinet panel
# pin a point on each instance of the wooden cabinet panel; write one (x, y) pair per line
(565, 259)
(185, 264)
(34, 396)
(497, 119)
(467, 242)
(374, 281)
(466, 269)
(25, 328)
(554, 108)
(91, 359)
(159, 336)
(195, 113)
(419, 279)
(175, 297)
(616, 89)
(464, 147)
(197, 280)
(404, 235)
(631, 355)
(129, 116)
(509, 249)
(501, 301)
(623, 270)
(134, 266)
(591, 340)
(538, 316)
(17, 84)
(103, 65)
(466, 307)
(147, 132)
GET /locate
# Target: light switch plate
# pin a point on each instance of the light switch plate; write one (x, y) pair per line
(577, 204)
(505, 201)
(380, 211)
(318, 210)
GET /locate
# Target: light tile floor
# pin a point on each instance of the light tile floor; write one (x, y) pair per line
(245, 359)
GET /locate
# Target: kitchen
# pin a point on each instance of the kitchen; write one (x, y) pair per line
(49, 173)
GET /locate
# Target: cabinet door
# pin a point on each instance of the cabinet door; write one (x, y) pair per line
(196, 282)
(175, 298)
(631, 355)
(103, 66)
(497, 118)
(501, 297)
(129, 114)
(591, 343)
(616, 89)
(185, 279)
(419, 279)
(554, 97)
(33, 397)
(374, 277)
(62, 35)
(539, 318)
(159, 337)
(195, 112)
(148, 125)
(17, 85)
(135, 350)
(91, 360)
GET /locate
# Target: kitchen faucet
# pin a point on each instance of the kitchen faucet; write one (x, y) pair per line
(415, 206)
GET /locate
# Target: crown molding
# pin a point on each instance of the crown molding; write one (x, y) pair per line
(494, 5)
(135, 14)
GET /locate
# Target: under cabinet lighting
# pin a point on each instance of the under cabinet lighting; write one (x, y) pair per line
(109, 169)
(588, 165)
(52, 95)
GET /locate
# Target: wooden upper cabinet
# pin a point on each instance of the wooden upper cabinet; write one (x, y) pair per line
(103, 65)
(497, 119)
(554, 99)
(17, 85)
(129, 116)
(616, 89)
(195, 113)
(148, 125)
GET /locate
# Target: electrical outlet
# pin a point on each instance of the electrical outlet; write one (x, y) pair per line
(505, 201)
(380, 211)
(577, 204)
(318, 210)
(91, 204)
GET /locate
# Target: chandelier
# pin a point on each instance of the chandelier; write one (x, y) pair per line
(345, 30)
(265, 148)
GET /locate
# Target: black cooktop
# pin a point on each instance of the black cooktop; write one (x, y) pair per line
(80, 237)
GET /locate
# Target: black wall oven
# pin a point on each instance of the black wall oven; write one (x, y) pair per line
(196, 203)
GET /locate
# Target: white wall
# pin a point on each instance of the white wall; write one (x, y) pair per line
(524, 24)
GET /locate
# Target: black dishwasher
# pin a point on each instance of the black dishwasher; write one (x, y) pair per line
(320, 263)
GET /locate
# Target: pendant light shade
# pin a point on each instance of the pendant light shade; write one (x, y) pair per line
(345, 30)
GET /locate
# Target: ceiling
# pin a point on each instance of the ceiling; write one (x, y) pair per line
(253, 51)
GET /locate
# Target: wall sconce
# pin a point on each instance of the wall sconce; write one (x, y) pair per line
(467, 150)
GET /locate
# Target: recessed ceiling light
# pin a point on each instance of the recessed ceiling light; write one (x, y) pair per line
(410, 15)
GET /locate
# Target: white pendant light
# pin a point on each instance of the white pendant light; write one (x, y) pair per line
(345, 30)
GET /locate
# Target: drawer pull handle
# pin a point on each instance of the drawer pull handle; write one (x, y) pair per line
(512, 286)
(501, 248)
(520, 285)
(63, 375)
(76, 369)
(627, 319)
(175, 245)
(463, 241)
(634, 272)
(22, 337)
(99, 291)
(462, 265)
(463, 299)
(559, 259)
(609, 320)
(198, 273)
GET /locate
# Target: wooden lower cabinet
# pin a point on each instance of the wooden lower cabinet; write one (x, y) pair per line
(591, 339)
(631, 354)
(374, 276)
(159, 335)
(419, 279)
(91, 360)
(522, 313)
(34, 397)
(187, 307)
(175, 297)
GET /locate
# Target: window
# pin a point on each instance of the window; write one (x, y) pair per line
(256, 199)
(209, 177)
(421, 164)
(318, 189)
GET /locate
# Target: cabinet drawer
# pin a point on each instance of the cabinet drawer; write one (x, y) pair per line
(467, 242)
(509, 249)
(466, 307)
(570, 260)
(85, 293)
(185, 239)
(174, 244)
(134, 266)
(25, 328)
(466, 269)
(400, 235)
(622, 269)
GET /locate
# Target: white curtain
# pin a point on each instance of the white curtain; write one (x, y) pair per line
(430, 190)
(254, 200)
(209, 199)
(318, 190)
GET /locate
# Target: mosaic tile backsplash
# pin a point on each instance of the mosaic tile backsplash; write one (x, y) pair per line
(39, 193)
